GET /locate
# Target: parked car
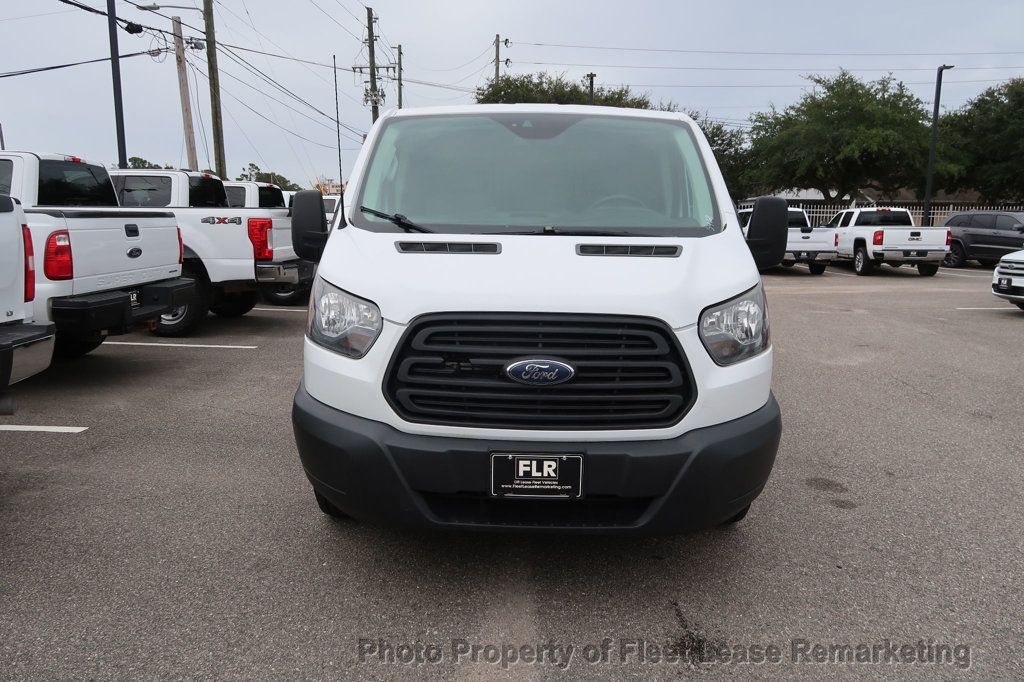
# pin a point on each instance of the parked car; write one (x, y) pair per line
(538, 316)
(815, 246)
(231, 252)
(244, 194)
(984, 236)
(872, 236)
(25, 348)
(1008, 279)
(102, 270)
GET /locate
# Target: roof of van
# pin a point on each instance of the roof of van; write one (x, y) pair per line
(538, 109)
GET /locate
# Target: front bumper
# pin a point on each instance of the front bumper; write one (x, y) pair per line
(289, 272)
(25, 350)
(112, 311)
(885, 255)
(1014, 293)
(378, 473)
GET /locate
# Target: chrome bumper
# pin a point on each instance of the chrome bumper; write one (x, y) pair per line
(291, 272)
(24, 351)
(910, 255)
(809, 255)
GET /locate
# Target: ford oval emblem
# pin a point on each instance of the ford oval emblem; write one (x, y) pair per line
(539, 372)
(134, 252)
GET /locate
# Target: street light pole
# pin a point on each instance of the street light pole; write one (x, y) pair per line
(926, 218)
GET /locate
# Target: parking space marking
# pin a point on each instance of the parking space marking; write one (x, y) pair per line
(283, 310)
(177, 345)
(43, 429)
(979, 275)
(1007, 308)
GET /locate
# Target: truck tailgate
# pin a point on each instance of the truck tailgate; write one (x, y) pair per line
(914, 238)
(819, 239)
(116, 248)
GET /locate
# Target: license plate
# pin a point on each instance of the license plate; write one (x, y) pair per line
(1004, 283)
(135, 298)
(525, 475)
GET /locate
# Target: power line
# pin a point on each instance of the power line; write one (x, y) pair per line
(32, 16)
(763, 68)
(340, 25)
(350, 12)
(487, 51)
(782, 85)
(39, 69)
(764, 53)
(199, 110)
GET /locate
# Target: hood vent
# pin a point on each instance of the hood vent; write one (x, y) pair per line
(448, 247)
(648, 250)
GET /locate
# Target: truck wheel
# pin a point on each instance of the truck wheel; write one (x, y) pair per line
(737, 517)
(327, 508)
(285, 294)
(957, 257)
(862, 264)
(788, 263)
(76, 346)
(817, 268)
(185, 319)
(989, 263)
(234, 305)
(927, 269)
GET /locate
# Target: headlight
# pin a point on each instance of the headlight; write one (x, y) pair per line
(340, 322)
(736, 329)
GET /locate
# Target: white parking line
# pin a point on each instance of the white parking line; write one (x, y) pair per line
(43, 429)
(1005, 307)
(972, 275)
(176, 345)
(282, 310)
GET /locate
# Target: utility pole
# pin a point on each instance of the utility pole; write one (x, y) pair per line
(497, 56)
(337, 125)
(186, 105)
(399, 76)
(374, 103)
(591, 76)
(115, 73)
(216, 121)
(2, 146)
(926, 218)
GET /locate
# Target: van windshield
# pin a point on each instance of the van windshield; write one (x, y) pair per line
(534, 172)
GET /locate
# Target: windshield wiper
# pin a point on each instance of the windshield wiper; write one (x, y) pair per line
(397, 219)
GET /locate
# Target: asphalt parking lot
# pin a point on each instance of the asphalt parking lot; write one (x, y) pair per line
(176, 536)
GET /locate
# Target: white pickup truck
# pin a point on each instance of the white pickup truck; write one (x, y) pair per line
(871, 236)
(815, 246)
(100, 269)
(230, 252)
(25, 348)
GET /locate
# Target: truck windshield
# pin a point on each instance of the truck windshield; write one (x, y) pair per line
(880, 218)
(72, 183)
(523, 172)
(797, 219)
(206, 191)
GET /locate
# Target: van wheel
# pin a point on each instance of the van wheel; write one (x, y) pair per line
(927, 269)
(737, 517)
(76, 346)
(862, 265)
(234, 305)
(327, 508)
(184, 319)
(817, 268)
(957, 257)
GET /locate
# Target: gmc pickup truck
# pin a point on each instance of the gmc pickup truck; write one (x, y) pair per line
(25, 348)
(101, 269)
(872, 236)
(230, 252)
(815, 246)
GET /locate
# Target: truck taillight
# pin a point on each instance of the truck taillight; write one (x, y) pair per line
(949, 237)
(181, 248)
(30, 265)
(57, 260)
(876, 240)
(259, 235)
(836, 242)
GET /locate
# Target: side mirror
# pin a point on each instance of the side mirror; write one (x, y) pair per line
(768, 231)
(309, 225)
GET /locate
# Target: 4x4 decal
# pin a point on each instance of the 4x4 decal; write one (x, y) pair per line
(212, 220)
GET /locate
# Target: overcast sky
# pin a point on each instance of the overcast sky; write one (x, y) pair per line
(451, 42)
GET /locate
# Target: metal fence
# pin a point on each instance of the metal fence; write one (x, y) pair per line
(820, 213)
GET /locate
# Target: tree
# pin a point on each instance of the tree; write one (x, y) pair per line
(988, 134)
(139, 162)
(254, 174)
(729, 145)
(842, 136)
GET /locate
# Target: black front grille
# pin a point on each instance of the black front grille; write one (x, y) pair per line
(449, 369)
(591, 512)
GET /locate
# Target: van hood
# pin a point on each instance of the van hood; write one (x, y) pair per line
(538, 273)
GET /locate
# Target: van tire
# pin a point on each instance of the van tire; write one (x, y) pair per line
(817, 268)
(185, 319)
(76, 346)
(862, 264)
(234, 305)
(737, 517)
(927, 269)
(329, 509)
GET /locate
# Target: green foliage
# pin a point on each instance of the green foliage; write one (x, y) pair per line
(547, 89)
(842, 136)
(253, 174)
(732, 151)
(139, 162)
(987, 137)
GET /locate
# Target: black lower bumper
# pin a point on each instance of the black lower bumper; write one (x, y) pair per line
(377, 473)
(113, 312)
(25, 349)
